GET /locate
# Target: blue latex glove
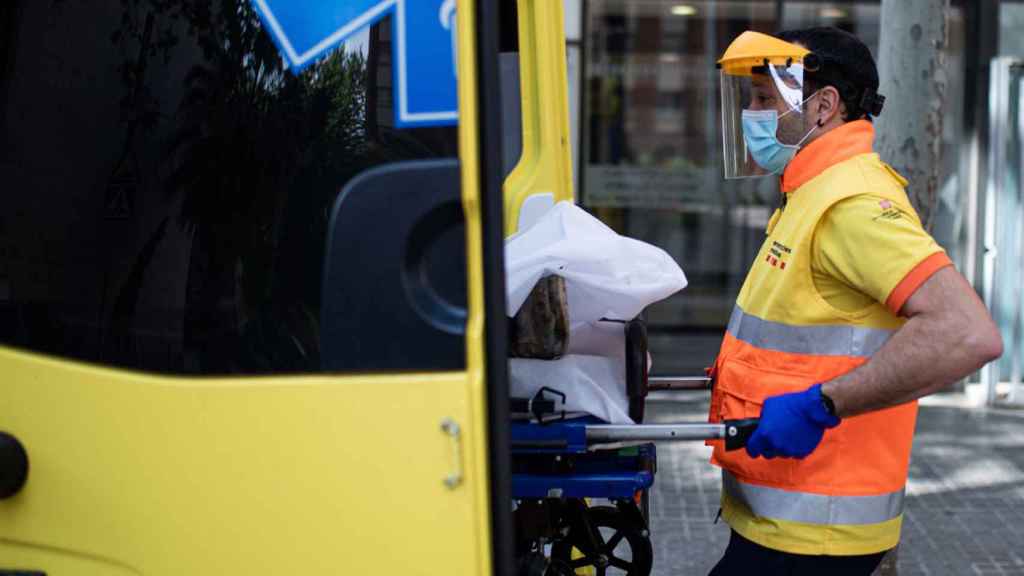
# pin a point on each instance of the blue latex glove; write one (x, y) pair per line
(791, 425)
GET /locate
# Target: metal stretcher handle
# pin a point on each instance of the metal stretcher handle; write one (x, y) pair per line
(678, 383)
(735, 432)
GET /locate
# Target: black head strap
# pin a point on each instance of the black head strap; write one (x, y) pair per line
(871, 102)
(812, 62)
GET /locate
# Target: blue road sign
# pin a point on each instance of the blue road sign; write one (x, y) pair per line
(424, 46)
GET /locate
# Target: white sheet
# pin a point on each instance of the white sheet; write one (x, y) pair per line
(608, 277)
(592, 384)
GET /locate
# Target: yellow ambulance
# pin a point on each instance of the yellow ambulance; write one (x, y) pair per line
(250, 323)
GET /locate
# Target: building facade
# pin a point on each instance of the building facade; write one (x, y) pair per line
(648, 159)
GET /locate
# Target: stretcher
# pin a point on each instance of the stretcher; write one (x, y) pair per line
(562, 466)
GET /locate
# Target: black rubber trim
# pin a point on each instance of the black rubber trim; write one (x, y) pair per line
(488, 27)
(508, 24)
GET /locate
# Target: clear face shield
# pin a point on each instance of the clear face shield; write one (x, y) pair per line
(763, 120)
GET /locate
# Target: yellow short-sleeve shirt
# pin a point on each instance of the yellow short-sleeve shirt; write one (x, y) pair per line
(878, 249)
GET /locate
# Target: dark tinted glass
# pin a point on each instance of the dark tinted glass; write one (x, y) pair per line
(167, 187)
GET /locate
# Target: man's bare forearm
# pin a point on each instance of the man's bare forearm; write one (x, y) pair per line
(921, 358)
(948, 336)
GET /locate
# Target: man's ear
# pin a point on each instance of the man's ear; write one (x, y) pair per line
(829, 106)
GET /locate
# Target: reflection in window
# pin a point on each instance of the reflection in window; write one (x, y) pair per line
(174, 183)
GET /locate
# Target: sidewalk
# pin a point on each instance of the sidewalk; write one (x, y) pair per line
(965, 504)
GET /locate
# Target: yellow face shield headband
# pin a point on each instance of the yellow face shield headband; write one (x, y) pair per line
(752, 50)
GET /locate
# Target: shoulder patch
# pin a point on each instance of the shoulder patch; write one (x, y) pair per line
(889, 211)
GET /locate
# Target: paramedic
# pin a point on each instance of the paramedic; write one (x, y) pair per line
(849, 314)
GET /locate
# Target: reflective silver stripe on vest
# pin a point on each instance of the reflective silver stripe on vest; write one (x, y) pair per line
(813, 508)
(834, 340)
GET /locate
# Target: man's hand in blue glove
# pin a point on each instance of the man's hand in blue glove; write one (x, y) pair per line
(791, 425)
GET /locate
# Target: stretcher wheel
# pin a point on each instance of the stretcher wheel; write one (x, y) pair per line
(623, 546)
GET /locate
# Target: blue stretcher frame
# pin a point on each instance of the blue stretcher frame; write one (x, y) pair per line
(618, 473)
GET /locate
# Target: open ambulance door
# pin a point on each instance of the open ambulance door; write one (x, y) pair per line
(248, 325)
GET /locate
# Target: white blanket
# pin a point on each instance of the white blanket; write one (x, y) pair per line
(592, 384)
(608, 277)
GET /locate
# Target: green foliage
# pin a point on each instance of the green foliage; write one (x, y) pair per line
(255, 154)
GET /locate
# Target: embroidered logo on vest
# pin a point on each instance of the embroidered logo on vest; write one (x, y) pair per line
(777, 255)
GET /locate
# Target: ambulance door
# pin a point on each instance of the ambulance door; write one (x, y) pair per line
(244, 312)
(535, 59)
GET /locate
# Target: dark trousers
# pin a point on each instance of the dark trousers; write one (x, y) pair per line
(745, 558)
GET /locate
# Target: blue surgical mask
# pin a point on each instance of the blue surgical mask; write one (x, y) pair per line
(759, 132)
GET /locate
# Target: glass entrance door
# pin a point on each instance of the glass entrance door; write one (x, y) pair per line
(1003, 226)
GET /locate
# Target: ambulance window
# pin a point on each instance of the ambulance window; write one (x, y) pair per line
(167, 204)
